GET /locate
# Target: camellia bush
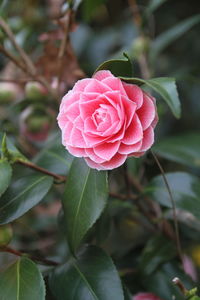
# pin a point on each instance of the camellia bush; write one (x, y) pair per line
(100, 151)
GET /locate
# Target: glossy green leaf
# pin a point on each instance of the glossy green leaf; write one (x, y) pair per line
(54, 157)
(91, 276)
(185, 190)
(5, 175)
(22, 281)
(118, 67)
(184, 149)
(165, 87)
(84, 200)
(157, 251)
(171, 35)
(22, 195)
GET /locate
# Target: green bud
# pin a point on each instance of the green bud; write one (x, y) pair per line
(6, 235)
(35, 91)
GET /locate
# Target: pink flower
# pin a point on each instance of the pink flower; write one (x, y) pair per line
(105, 120)
(145, 296)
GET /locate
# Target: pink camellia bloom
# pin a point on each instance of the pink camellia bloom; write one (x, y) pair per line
(105, 120)
(145, 296)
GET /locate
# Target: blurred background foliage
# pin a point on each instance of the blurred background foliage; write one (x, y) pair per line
(164, 33)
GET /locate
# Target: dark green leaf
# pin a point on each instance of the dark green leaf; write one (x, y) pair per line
(54, 157)
(185, 190)
(22, 195)
(157, 251)
(22, 281)
(171, 35)
(92, 276)
(84, 200)
(165, 87)
(5, 175)
(184, 149)
(118, 67)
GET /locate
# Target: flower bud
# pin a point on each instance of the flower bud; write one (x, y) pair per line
(35, 90)
(6, 234)
(9, 92)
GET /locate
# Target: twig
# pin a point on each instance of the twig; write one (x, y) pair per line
(63, 44)
(26, 65)
(35, 258)
(12, 80)
(22, 53)
(13, 58)
(42, 170)
(178, 244)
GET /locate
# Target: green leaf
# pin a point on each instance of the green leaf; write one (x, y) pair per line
(118, 67)
(22, 281)
(185, 190)
(157, 251)
(5, 175)
(15, 153)
(54, 157)
(153, 5)
(22, 195)
(165, 87)
(184, 149)
(84, 200)
(171, 35)
(91, 276)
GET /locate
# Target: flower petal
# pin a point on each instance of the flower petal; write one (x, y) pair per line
(148, 139)
(127, 149)
(115, 162)
(134, 93)
(78, 152)
(147, 112)
(134, 132)
(90, 153)
(107, 150)
(115, 84)
(100, 75)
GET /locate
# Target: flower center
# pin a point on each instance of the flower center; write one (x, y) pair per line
(99, 116)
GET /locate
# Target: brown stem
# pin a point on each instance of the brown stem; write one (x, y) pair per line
(42, 170)
(35, 258)
(178, 243)
(180, 285)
